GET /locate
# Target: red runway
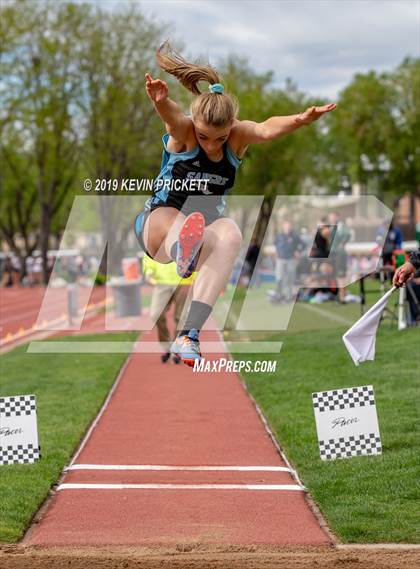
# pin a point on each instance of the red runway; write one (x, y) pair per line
(195, 464)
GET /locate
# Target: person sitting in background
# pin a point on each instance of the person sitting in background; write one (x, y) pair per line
(320, 287)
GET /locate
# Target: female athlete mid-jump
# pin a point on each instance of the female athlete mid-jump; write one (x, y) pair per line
(184, 223)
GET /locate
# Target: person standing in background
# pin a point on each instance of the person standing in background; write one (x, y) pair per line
(249, 273)
(7, 279)
(16, 268)
(406, 272)
(37, 269)
(288, 247)
(391, 241)
(339, 237)
(168, 289)
(320, 249)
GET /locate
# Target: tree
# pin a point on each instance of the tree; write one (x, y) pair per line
(119, 123)
(359, 133)
(40, 62)
(278, 167)
(19, 204)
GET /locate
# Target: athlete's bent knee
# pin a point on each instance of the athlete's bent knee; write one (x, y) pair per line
(232, 239)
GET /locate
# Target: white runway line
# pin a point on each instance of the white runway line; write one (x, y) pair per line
(178, 468)
(101, 412)
(271, 487)
(260, 414)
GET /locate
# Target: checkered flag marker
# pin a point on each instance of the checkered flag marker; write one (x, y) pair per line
(346, 422)
(18, 430)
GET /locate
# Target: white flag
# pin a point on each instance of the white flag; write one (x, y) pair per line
(360, 339)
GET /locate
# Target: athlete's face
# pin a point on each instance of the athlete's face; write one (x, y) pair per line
(211, 138)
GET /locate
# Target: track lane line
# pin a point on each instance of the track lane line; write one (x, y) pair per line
(178, 468)
(271, 487)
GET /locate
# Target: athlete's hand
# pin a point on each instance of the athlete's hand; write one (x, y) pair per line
(404, 274)
(156, 89)
(314, 113)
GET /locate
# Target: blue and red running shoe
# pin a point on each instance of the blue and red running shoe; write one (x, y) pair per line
(187, 347)
(189, 242)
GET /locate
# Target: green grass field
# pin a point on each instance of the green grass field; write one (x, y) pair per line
(256, 312)
(70, 390)
(364, 499)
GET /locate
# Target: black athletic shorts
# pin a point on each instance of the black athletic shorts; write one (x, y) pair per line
(210, 215)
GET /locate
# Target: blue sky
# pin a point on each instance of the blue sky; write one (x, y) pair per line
(320, 44)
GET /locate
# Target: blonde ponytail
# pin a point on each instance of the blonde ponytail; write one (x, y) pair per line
(188, 74)
(215, 108)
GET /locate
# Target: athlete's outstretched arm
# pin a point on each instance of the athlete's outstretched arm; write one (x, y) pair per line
(274, 127)
(176, 123)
